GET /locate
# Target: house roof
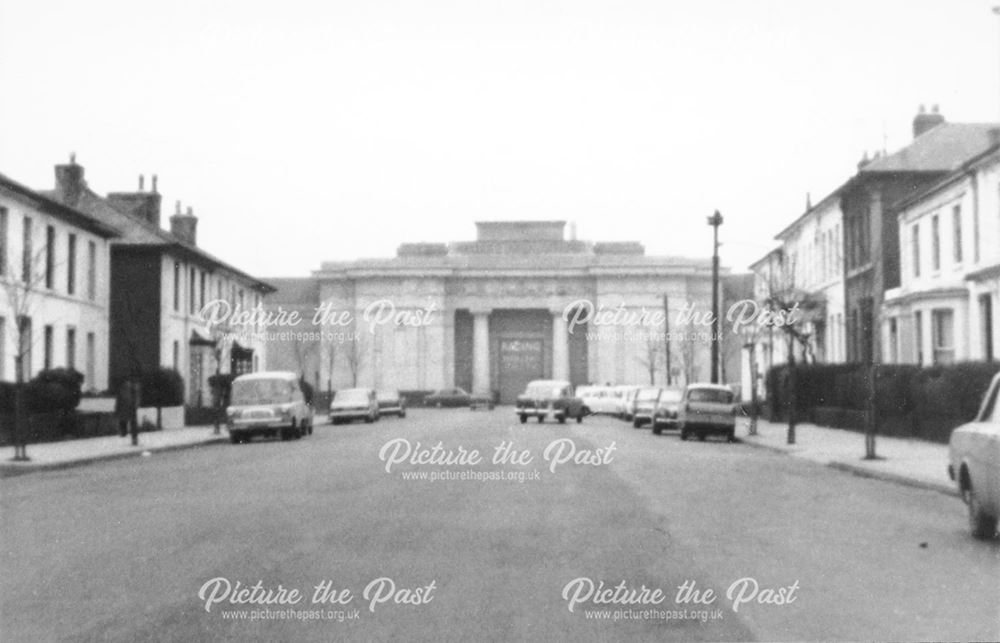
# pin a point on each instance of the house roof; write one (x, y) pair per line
(137, 232)
(947, 180)
(45, 203)
(293, 290)
(941, 149)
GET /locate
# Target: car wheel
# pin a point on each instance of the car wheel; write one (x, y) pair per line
(684, 434)
(369, 418)
(657, 429)
(402, 414)
(982, 525)
(579, 419)
(636, 424)
(284, 433)
(701, 435)
(541, 418)
(235, 438)
(731, 436)
(524, 418)
(561, 418)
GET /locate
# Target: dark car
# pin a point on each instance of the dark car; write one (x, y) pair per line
(391, 403)
(456, 397)
(667, 410)
(549, 398)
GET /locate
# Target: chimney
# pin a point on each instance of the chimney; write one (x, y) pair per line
(924, 121)
(69, 181)
(142, 205)
(184, 226)
(864, 160)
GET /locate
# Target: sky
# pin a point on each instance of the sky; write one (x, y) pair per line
(303, 132)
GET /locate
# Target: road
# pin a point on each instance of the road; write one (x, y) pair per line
(120, 550)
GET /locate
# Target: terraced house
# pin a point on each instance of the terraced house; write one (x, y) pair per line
(54, 287)
(160, 280)
(945, 309)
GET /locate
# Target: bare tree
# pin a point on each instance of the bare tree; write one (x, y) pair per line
(329, 356)
(783, 297)
(685, 343)
(22, 292)
(652, 356)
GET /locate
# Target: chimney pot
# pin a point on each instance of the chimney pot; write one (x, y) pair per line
(190, 211)
(177, 207)
(72, 158)
(924, 122)
(141, 181)
(154, 183)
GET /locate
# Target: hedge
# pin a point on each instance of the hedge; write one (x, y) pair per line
(910, 401)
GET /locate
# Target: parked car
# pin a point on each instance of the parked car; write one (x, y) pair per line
(354, 404)
(455, 397)
(549, 398)
(974, 463)
(646, 400)
(707, 409)
(269, 403)
(624, 393)
(391, 403)
(667, 410)
(598, 399)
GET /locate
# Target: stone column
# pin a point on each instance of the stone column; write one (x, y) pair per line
(481, 352)
(560, 347)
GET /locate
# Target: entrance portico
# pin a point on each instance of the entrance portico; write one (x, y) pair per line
(501, 309)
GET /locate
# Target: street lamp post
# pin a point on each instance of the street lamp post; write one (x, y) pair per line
(715, 221)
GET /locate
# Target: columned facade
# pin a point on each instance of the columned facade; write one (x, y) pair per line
(521, 302)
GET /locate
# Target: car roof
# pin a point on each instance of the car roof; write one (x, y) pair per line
(708, 385)
(351, 390)
(548, 383)
(268, 375)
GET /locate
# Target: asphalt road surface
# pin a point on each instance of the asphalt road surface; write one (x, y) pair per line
(153, 548)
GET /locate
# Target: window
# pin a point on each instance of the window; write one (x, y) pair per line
(918, 336)
(177, 355)
(915, 241)
(177, 286)
(943, 331)
(935, 243)
(50, 256)
(893, 341)
(71, 347)
(24, 346)
(26, 251)
(3, 348)
(91, 358)
(71, 265)
(986, 326)
(956, 231)
(3, 241)
(191, 291)
(203, 280)
(91, 270)
(47, 363)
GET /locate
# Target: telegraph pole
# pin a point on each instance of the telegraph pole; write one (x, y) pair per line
(666, 335)
(715, 221)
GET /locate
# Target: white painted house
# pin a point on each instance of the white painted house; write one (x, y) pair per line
(54, 287)
(946, 307)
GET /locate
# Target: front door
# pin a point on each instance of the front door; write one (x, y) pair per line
(521, 360)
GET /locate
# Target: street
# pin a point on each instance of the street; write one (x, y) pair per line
(790, 550)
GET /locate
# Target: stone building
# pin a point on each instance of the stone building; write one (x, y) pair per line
(522, 301)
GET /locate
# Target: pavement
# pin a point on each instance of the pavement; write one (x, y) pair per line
(140, 549)
(72, 453)
(915, 463)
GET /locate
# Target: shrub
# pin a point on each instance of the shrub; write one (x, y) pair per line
(56, 389)
(162, 387)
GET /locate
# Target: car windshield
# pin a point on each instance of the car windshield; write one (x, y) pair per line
(387, 396)
(247, 392)
(670, 396)
(543, 390)
(648, 394)
(352, 396)
(716, 396)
